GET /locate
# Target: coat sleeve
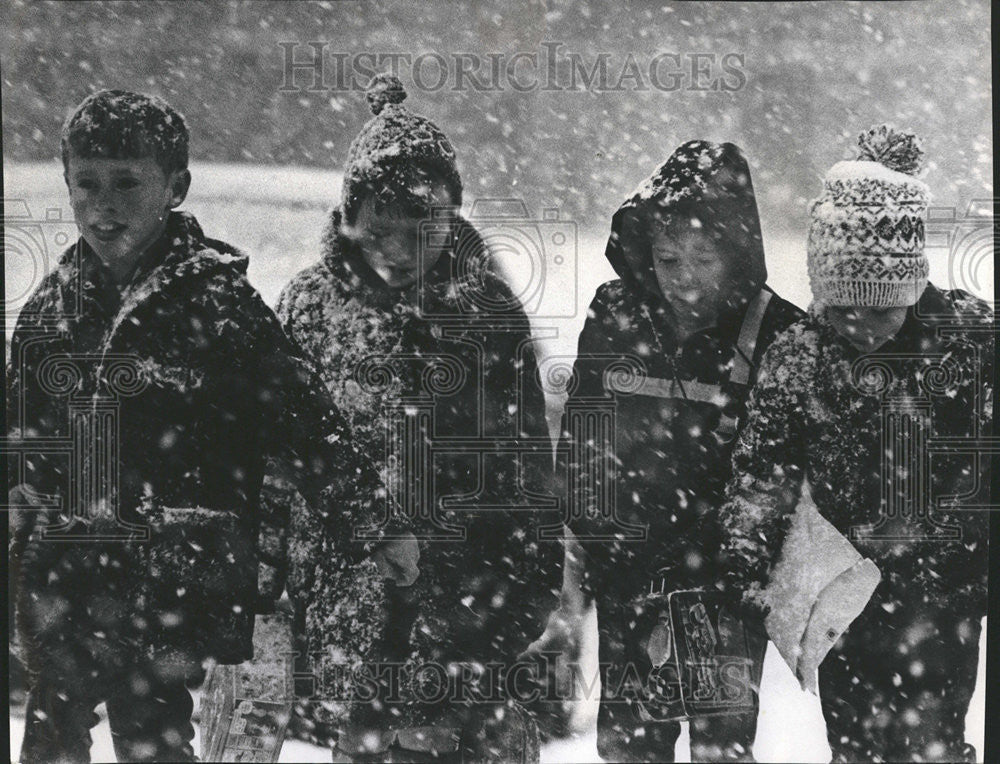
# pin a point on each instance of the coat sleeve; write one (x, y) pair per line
(768, 470)
(543, 555)
(307, 439)
(957, 572)
(280, 502)
(579, 465)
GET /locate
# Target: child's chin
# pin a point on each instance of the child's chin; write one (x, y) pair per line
(108, 251)
(98, 245)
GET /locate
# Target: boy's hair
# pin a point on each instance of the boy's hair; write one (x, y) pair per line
(404, 190)
(120, 124)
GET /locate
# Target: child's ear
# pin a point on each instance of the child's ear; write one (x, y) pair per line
(180, 182)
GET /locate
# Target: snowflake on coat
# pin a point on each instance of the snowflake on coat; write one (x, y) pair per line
(821, 412)
(480, 599)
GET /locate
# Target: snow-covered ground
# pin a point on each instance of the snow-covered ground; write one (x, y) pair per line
(277, 213)
(790, 726)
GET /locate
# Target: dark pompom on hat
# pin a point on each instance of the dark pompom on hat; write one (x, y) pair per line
(396, 154)
(384, 89)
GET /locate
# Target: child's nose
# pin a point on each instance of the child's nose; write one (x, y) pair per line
(105, 199)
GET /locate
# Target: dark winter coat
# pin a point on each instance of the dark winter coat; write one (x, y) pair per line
(676, 405)
(482, 598)
(817, 415)
(205, 387)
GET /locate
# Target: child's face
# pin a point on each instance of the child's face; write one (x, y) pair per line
(121, 205)
(690, 270)
(866, 328)
(390, 243)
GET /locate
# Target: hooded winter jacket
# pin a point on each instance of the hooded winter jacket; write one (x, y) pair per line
(166, 397)
(642, 490)
(459, 354)
(887, 441)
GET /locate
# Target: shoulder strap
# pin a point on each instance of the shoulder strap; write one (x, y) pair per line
(746, 345)
(692, 390)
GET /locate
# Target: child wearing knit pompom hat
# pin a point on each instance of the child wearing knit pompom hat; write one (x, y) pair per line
(849, 399)
(866, 239)
(398, 156)
(403, 302)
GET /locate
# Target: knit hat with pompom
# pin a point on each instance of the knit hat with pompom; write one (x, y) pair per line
(866, 238)
(396, 154)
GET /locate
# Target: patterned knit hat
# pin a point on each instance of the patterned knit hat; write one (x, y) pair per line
(395, 152)
(866, 240)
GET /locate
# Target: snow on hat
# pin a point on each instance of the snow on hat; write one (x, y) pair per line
(395, 152)
(866, 238)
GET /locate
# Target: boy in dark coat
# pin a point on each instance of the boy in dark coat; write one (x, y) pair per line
(406, 317)
(147, 384)
(877, 399)
(676, 339)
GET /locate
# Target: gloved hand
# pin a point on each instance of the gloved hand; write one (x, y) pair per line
(753, 604)
(20, 524)
(507, 734)
(397, 559)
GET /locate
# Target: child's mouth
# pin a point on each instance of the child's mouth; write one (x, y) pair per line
(107, 231)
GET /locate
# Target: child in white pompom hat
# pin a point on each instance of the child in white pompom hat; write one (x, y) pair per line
(862, 398)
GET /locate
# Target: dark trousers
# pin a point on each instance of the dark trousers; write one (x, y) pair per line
(623, 736)
(149, 712)
(897, 685)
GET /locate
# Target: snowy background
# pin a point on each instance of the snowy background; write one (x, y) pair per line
(266, 161)
(244, 205)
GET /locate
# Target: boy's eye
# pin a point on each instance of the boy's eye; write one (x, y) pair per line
(126, 184)
(86, 184)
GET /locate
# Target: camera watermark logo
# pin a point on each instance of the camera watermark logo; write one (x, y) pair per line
(48, 381)
(503, 261)
(968, 239)
(32, 245)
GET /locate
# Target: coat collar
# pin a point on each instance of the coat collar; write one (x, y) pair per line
(919, 327)
(442, 285)
(723, 334)
(181, 253)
